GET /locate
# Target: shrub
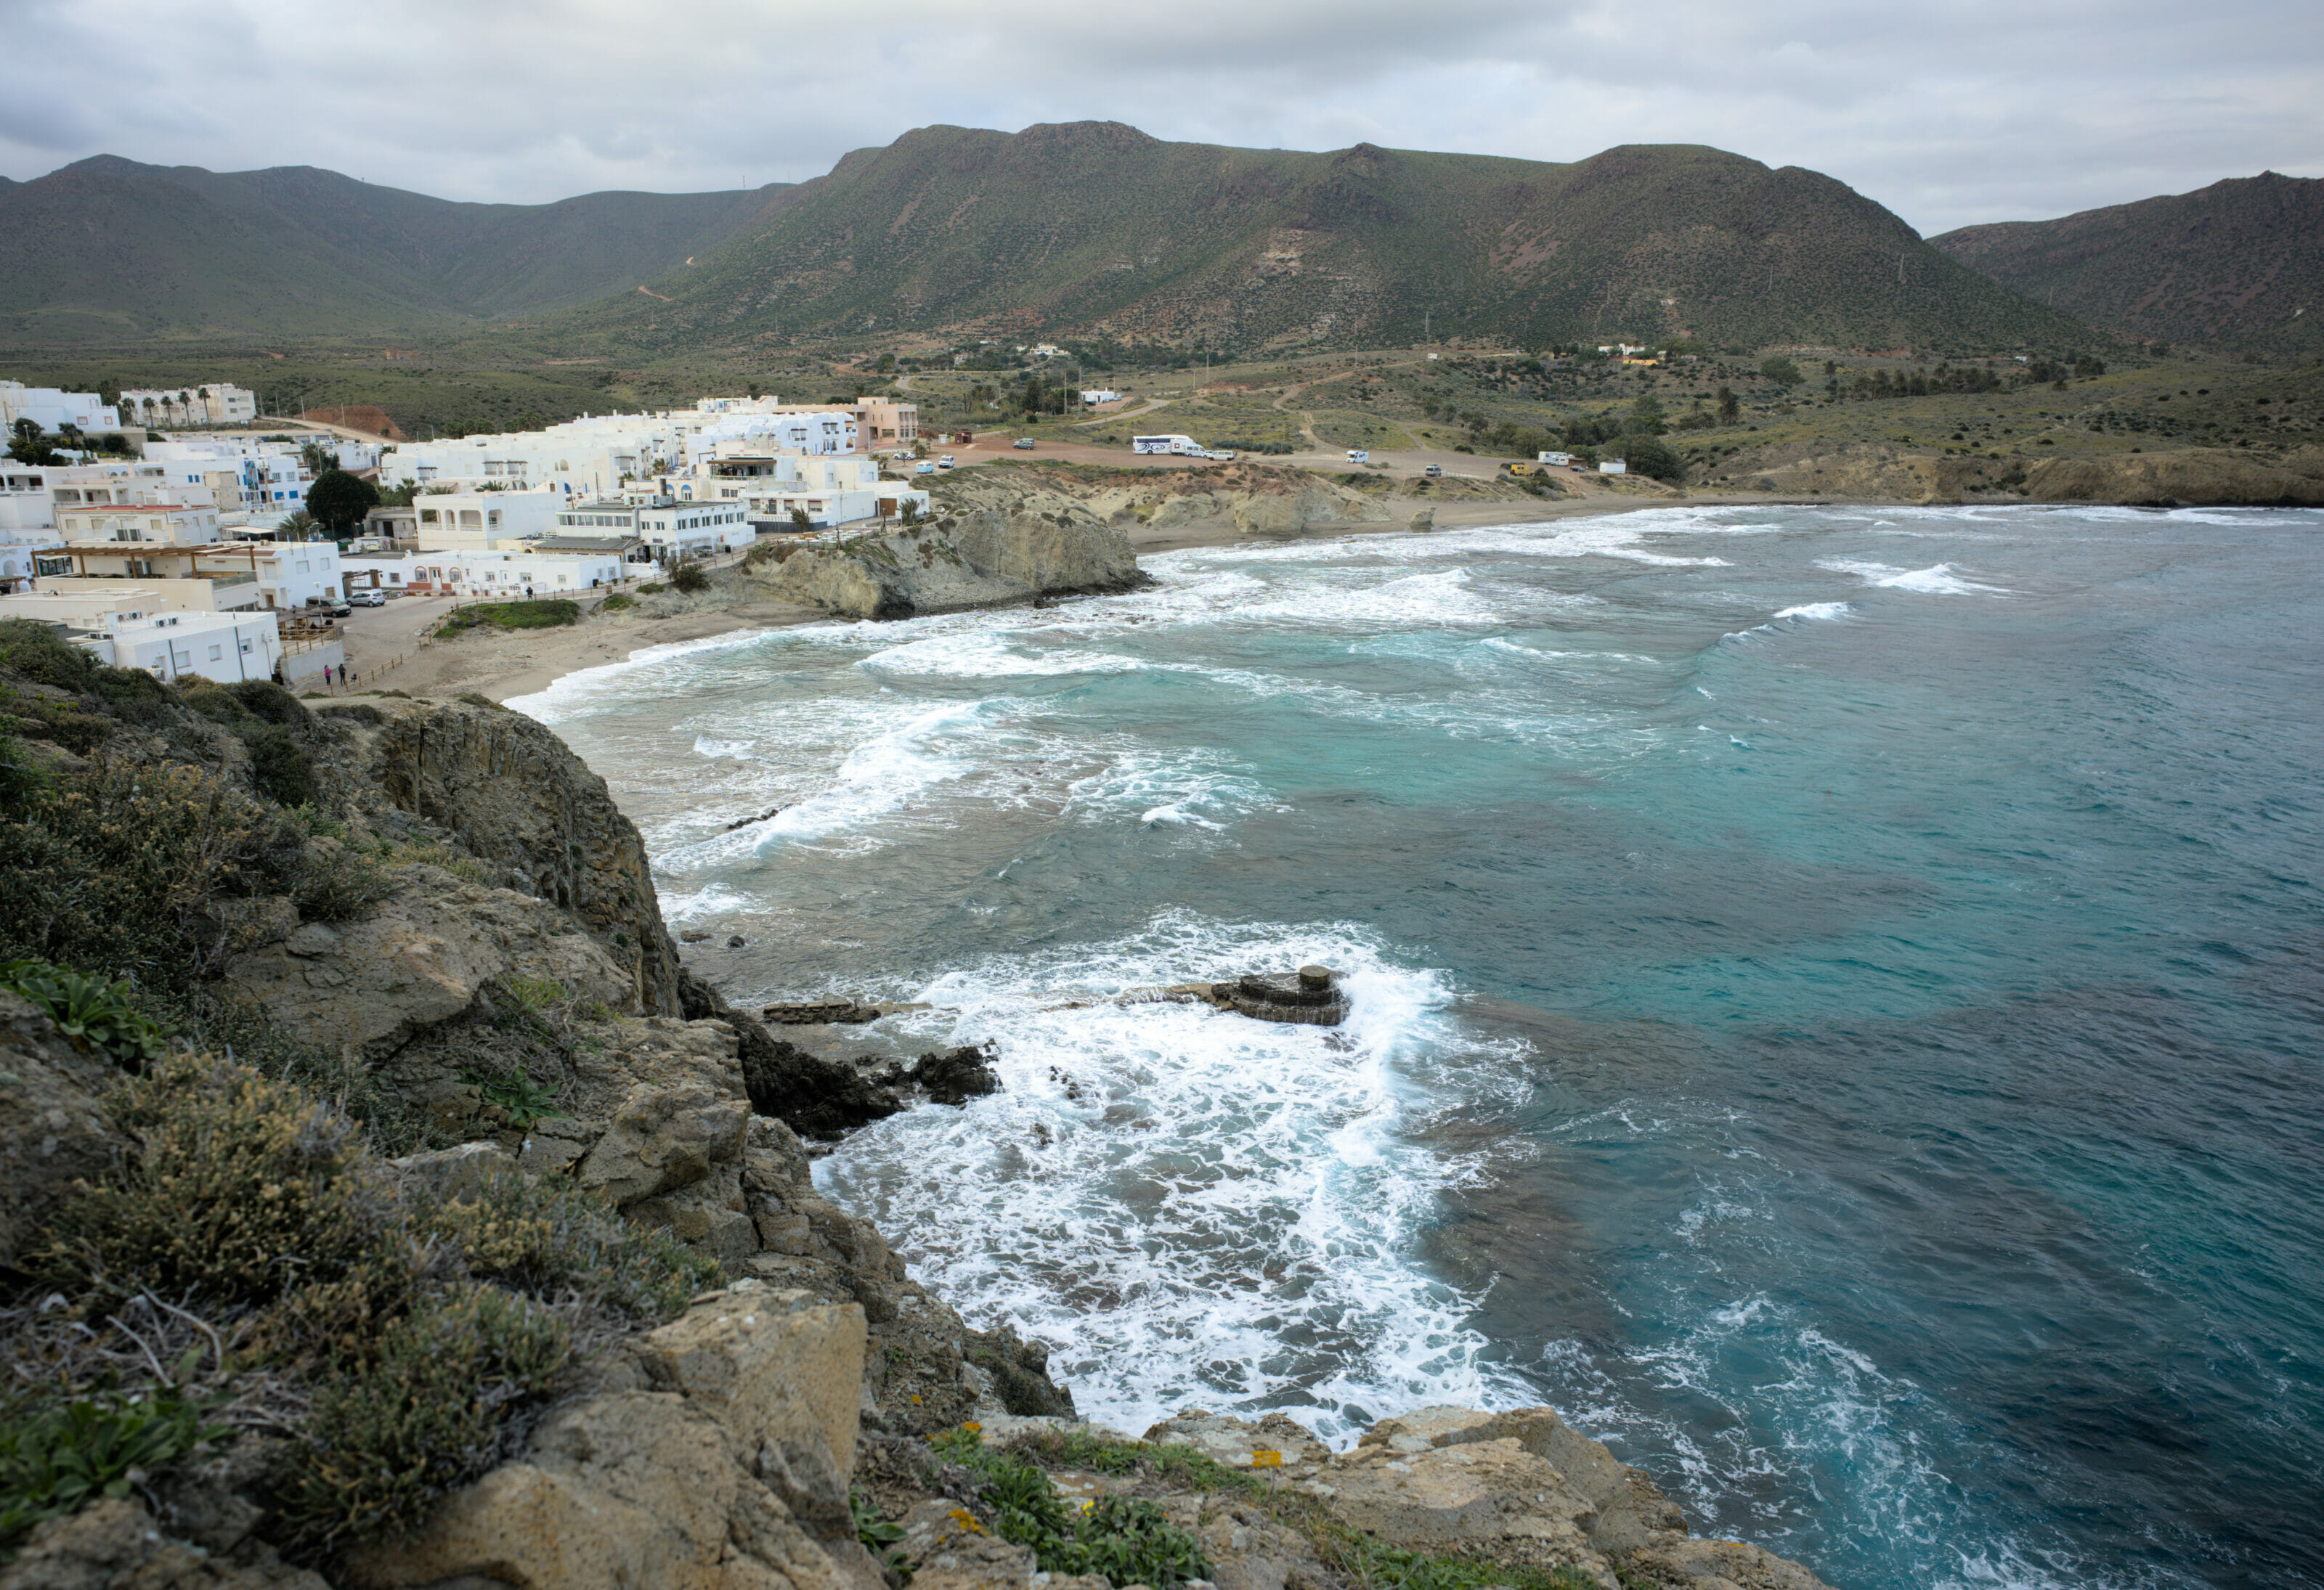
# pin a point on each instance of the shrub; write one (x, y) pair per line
(336, 884)
(550, 1240)
(652, 588)
(56, 1458)
(545, 614)
(689, 579)
(423, 1415)
(100, 1013)
(105, 872)
(1129, 1539)
(618, 601)
(245, 1188)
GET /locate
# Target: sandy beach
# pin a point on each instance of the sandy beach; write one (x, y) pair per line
(500, 665)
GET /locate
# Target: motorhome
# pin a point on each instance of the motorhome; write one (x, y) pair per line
(1184, 446)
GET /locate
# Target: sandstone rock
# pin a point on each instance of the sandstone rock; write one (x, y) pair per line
(950, 1550)
(115, 1545)
(1277, 1441)
(1683, 1564)
(459, 1174)
(2189, 476)
(419, 960)
(664, 1138)
(514, 795)
(707, 1463)
(52, 1132)
(974, 559)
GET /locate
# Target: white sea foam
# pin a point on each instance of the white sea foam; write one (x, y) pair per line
(1173, 1195)
(1817, 610)
(572, 692)
(986, 654)
(1936, 580)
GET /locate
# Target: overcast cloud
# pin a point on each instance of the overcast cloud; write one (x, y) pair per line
(1979, 110)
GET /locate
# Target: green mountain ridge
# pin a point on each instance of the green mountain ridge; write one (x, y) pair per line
(2237, 266)
(1090, 230)
(1096, 229)
(109, 250)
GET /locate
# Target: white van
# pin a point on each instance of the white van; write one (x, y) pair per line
(1360, 456)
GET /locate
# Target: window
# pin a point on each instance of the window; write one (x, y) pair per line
(217, 652)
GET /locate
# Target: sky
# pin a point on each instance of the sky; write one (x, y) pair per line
(1976, 110)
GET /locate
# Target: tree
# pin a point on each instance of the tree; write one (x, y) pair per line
(400, 495)
(319, 459)
(1730, 407)
(27, 444)
(1781, 371)
(1651, 456)
(799, 520)
(340, 499)
(1646, 414)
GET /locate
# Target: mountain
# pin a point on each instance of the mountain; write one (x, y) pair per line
(1097, 229)
(2238, 265)
(109, 250)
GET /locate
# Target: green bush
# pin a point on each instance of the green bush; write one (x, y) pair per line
(100, 1013)
(618, 601)
(422, 1416)
(550, 1240)
(652, 588)
(546, 613)
(55, 1459)
(1129, 1539)
(334, 883)
(245, 1188)
(108, 871)
(688, 578)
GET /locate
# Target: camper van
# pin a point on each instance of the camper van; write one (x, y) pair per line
(1184, 446)
(1360, 456)
(1554, 460)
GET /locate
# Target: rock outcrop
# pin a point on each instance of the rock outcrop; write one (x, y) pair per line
(514, 796)
(714, 1452)
(2190, 477)
(1256, 498)
(975, 560)
(52, 1132)
(2178, 477)
(1522, 1488)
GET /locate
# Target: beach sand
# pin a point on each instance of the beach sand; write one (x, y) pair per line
(498, 665)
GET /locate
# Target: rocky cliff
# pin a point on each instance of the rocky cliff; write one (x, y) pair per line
(2182, 477)
(461, 944)
(973, 559)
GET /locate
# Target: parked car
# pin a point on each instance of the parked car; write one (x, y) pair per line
(1024, 442)
(924, 467)
(369, 598)
(1223, 455)
(1359, 455)
(944, 461)
(340, 609)
(1434, 470)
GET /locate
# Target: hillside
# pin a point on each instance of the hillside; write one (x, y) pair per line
(1088, 229)
(108, 249)
(1096, 229)
(2237, 266)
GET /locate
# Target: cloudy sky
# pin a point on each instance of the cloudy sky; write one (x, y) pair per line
(1976, 110)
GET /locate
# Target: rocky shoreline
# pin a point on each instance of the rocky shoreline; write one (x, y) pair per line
(508, 999)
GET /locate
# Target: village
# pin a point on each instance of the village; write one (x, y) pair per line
(221, 549)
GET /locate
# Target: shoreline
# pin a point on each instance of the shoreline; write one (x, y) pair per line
(500, 667)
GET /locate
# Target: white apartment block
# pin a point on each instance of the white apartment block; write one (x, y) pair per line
(768, 486)
(480, 520)
(195, 404)
(475, 572)
(51, 408)
(224, 646)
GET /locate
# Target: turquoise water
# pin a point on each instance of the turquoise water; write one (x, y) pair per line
(1837, 998)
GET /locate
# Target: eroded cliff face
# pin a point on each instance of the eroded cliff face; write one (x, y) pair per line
(977, 559)
(2181, 477)
(513, 794)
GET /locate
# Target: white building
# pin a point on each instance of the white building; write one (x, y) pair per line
(225, 647)
(479, 520)
(1095, 395)
(51, 407)
(27, 521)
(217, 404)
(264, 574)
(666, 529)
(1613, 467)
(499, 575)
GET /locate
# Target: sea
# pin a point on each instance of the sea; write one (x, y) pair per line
(1838, 998)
